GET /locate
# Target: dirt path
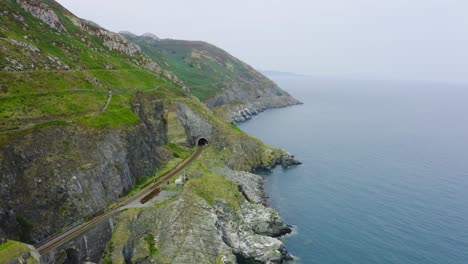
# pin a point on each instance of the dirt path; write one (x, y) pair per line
(109, 97)
(30, 125)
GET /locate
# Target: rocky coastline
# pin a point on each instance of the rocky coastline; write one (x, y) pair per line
(64, 166)
(242, 113)
(190, 227)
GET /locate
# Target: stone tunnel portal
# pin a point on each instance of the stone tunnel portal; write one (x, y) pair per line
(202, 141)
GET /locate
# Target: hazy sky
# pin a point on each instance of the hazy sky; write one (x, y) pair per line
(389, 39)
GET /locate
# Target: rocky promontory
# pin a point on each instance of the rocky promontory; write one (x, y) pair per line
(89, 117)
(233, 89)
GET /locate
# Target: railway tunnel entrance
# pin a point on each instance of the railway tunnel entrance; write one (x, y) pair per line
(202, 141)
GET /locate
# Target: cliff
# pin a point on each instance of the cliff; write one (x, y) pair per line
(232, 88)
(88, 118)
(59, 175)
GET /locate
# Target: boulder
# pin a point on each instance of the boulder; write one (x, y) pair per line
(288, 160)
(264, 220)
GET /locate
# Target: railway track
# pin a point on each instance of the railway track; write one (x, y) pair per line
(56, 241)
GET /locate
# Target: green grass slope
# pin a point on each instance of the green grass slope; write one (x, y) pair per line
(55, 66)
(213, 75)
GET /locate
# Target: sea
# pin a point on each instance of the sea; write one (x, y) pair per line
(384, 178)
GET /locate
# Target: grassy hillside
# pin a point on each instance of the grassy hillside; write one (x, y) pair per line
(204, 67)
(55, 66)
(213, 75)
(35, 45)
(88, 117)
(11, 250)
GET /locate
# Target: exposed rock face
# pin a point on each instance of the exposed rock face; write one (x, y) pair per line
(285, 159)
(111, 40)
(29, 57)
(87, 247)
(255, 91)
(288, 160)
(250, 184)
(264, 221)
(184, 231)
(28, 46)
(21, 53)
(54, 177)
(195, 125)
(255, 103)
(234, 89)
(150, 35)
(171, 76)
(189, 230)
(242, 114)
(24, 254)
(115, 41)
(42, 11)
(248, 238)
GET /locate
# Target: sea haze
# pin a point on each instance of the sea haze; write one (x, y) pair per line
(385, 173)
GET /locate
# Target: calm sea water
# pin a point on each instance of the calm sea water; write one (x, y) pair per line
(385, 173)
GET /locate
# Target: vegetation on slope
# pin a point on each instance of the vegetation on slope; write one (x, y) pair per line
(52, 77)
(13, 249)
(60, 74)
(76, 47)
(213, 186)
(206, 69)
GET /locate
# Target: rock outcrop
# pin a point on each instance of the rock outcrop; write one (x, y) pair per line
(264, 221)
(74, 162)
(42, 11)
(232, 88)
(111, 40)
(251, 185)
(287, 160)
(248, 238)
(253, 102)
(20, 52)
(195, 125)
(184, 231)
(151, 36)
(190, 230)
(14, 252)
(171, 76)
(87, 247)
(28, 46)
(54, 177)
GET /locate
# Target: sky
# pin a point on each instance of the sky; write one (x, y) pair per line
(375, 39)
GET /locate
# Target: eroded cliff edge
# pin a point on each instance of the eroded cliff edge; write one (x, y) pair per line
(57, 176)
(232, 88)
(87, 118)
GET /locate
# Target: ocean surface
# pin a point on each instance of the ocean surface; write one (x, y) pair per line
(385, 173)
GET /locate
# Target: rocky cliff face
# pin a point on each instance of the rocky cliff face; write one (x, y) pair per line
(65, 156)
(88, 247)
(54, 177)
(232, 88)
(111, 40)
(43, 12)
(249, 95)
(245, 111)
(71, 42)
(16, 252)
(190, 230)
